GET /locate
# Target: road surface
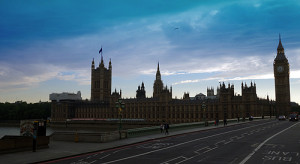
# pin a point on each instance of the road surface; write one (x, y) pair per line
(266, 141)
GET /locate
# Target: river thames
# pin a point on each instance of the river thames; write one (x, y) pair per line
(14, 130)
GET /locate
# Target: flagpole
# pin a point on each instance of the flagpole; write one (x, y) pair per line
(101, 53)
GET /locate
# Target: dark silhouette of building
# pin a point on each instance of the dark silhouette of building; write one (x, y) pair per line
(282, 81)
(101, 82)
(141, 93)
(163, 108)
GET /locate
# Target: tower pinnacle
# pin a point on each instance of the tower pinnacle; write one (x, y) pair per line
(280, 51)
(280, 47)
(158, 76)
(93, 64)
(110, 67)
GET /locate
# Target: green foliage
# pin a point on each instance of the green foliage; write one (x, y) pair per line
(23, 111)
(295, 107)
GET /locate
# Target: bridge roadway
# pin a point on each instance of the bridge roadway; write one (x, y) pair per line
(267, 141)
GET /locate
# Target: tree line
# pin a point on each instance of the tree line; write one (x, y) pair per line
(23, 111)
(295, 107)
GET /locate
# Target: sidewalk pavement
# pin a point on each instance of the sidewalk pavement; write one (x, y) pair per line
(58, 149)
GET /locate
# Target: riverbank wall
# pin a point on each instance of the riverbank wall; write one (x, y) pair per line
(9, 144)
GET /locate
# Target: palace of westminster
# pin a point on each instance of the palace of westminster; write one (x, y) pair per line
(163, 108)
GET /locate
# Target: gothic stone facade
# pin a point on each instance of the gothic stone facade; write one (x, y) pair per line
(101, 82)
(282, 81)
(163, 108)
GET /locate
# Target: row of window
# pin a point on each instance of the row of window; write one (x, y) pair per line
(97, 84)
(148, 116)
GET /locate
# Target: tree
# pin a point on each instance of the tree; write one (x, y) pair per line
(22, 111)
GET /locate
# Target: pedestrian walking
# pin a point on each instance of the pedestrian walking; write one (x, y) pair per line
(225, 122)
(217, 121)
(161, 128)
(166, 128)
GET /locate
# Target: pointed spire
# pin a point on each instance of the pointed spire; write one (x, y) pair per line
(93, 64)
(143, 86)
(158, 76)
(110, 64)
(280, 47)
(279, 37)
(280, 51)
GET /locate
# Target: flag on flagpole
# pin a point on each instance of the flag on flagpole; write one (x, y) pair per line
(100, 51)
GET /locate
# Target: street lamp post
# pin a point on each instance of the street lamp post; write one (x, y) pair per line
(120, 106)
(204, 109)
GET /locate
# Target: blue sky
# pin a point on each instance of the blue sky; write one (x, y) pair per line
(48, 46)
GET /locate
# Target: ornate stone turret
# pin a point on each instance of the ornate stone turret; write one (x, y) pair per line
(249, 100)
(158, 84)
(110, 66)
(163, 93)
(93, 64)
(225, 98)
(101, 82)
(186, 96)
(141, 93)
(210, 91)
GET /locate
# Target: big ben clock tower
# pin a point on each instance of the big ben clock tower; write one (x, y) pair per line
(282, 81)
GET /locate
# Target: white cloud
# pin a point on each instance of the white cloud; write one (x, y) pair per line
(82, 77)
(295, 74)
(214, 12)
(30, 75)
(187, 81)
(257, 5)
(24, 77)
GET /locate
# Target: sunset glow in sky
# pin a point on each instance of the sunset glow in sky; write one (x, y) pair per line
(48, 46)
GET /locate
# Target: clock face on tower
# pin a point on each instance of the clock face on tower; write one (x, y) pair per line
(280, 69)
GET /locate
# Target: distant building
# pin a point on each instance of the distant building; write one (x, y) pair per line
(200, 96)
(57, 97)
(186, 96)
(163, 108)
(141, 93)
(211, 93)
